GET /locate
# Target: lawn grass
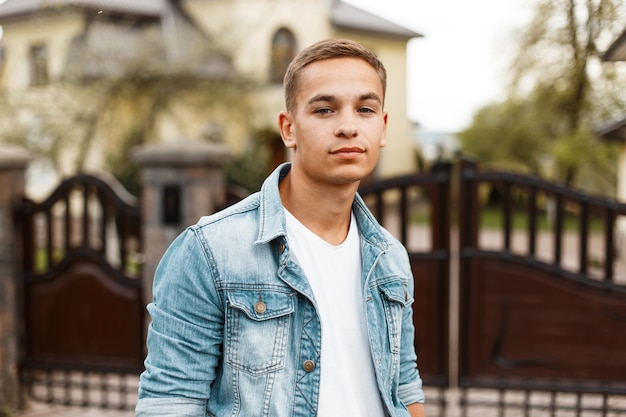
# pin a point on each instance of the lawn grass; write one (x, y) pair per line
(133, 263)
(492, 218)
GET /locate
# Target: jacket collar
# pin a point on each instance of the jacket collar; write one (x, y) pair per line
(272, 222)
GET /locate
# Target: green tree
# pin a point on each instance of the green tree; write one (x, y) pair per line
(505, 136)
(559, 90)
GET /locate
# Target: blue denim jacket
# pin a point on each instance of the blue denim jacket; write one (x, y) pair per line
(235, 330)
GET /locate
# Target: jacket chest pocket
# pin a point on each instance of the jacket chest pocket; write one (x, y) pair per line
(257, 330)
(395, 298)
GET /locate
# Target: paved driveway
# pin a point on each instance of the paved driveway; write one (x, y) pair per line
(50, 410)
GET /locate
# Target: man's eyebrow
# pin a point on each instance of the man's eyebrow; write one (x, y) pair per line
(330, 98)
(371, 96)
(321, 97)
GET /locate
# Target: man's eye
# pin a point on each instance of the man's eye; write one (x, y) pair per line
(323, 111)
(365, 110)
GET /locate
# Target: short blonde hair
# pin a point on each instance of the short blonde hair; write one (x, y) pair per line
(327, 49)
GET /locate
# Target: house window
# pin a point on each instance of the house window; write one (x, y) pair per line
(283, 51)
(38, 58)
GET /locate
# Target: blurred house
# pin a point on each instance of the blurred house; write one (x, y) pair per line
(48, 42)
(435, 145)
(616, 130)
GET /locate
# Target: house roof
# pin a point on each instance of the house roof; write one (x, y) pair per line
(103, 58)
(342, 15)
(615, 130)
(617, 50)
(15, 8)
(346, 16)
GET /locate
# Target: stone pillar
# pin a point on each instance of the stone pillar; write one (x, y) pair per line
(620, 232)
(13, 163)
(181, 182)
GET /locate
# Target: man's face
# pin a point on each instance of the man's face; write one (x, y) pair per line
(338, 125)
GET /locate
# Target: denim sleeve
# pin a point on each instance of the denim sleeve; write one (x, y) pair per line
(168, 407)
(410, 388)
(185, 336)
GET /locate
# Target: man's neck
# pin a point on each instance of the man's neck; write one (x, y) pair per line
(325, 210)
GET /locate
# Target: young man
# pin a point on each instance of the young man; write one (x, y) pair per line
(294, 302)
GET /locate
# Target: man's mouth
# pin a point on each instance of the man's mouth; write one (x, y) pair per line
(350, 150)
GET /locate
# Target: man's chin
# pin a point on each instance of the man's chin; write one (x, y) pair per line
(347, 177)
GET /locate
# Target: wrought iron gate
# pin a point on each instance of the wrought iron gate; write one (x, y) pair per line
(543, 299)
(525, 316)
(83, 313)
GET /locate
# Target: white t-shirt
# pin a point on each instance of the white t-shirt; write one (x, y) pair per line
(348, 382)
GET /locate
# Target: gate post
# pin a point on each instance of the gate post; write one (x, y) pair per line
(180, 182)
(13, 163)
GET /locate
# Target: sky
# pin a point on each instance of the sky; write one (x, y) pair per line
(459, 65)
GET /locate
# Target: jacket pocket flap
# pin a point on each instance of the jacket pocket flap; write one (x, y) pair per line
(397, 291)
(262, 305)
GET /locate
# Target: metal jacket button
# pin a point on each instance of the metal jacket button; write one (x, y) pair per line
(308, 365)
(260, 307)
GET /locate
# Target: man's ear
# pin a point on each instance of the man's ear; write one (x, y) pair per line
(383, 137)
(286, 128)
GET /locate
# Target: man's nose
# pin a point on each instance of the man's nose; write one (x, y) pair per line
(347, 127)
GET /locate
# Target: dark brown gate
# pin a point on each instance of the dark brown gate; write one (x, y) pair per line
(540, 322)
(539, 271)
(82, 299)
(543, 297)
